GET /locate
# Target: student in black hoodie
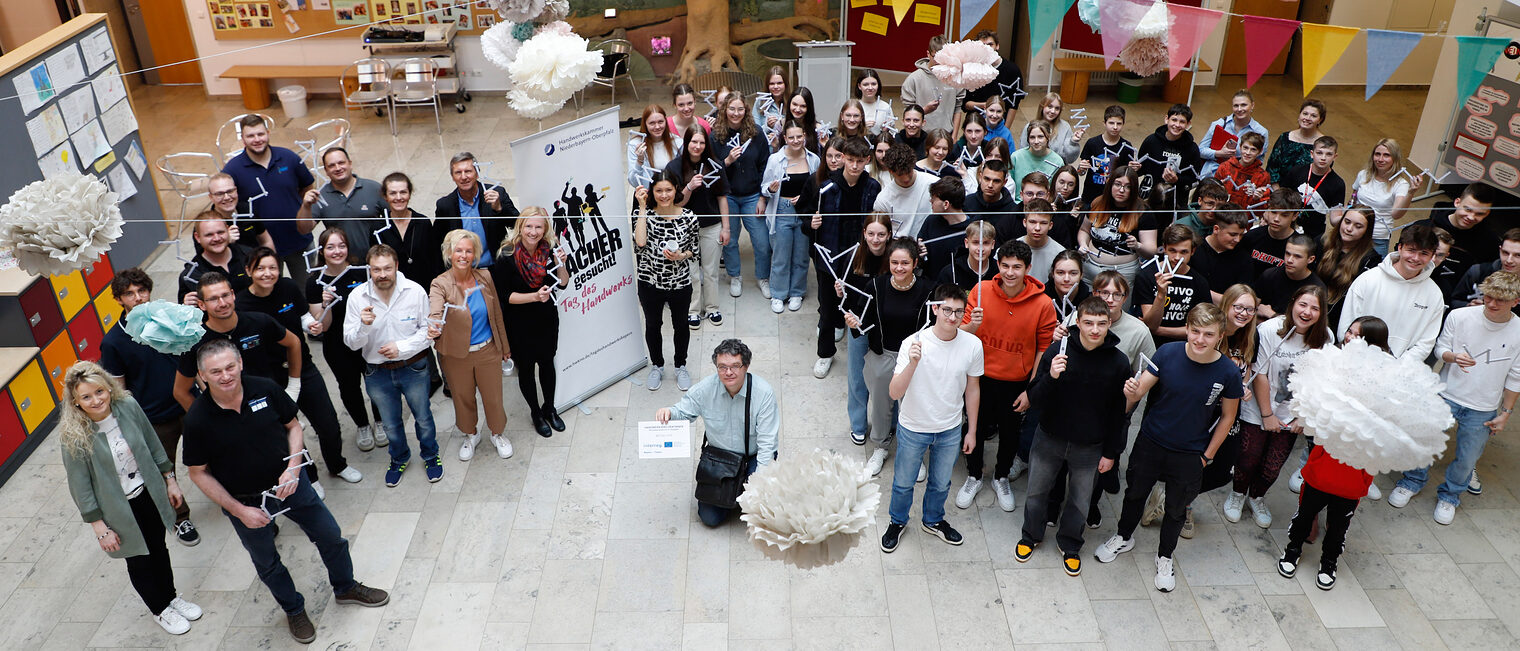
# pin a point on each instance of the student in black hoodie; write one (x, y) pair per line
(991, 201)
(1079, 389)
(1169, 162)
(973, 262)
(947, 197)
(845, 197)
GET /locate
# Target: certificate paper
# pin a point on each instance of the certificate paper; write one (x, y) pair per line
(669, 441)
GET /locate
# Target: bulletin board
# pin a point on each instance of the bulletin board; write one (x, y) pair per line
(74, 113)
(892, 34)
(279, 19)
(1484, 144)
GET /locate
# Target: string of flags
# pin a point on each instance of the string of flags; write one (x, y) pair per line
(1266, 37)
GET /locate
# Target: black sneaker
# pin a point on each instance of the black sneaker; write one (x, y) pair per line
(1288, 564)
(1094, 519)
(1023, 550)
(301, 627)
(889, 539)
(1072, 563)
(1326, 578)
(715, 317)
(363, 595)
(185, 531)
(944, 531)
(694, 321)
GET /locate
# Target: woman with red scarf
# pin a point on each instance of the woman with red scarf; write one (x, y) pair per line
(528, 257)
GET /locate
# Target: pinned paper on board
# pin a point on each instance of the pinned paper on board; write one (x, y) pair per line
(59, 161)
(856, 4)
(874, 23)
(900, 9)
(924, 13)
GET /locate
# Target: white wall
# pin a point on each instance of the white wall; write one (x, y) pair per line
(1039, 72)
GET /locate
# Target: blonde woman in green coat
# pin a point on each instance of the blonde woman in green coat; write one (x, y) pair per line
(124, 486)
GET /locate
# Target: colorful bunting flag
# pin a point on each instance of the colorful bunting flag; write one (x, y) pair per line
(1044, 16)
(1265, 37)
(1190, 25)
(971, 13)
(1323, 45)
(1385, 51)
(1475, 57)
(1119, 18)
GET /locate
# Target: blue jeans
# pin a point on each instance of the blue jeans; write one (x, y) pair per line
(713, 516)
(386, 388)
(1381, 246)
(790, 251)
(859, 395)
(1472, 437)
(308, 512)
(943, 448)
(741, 213)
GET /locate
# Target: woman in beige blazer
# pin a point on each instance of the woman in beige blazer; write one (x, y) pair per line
(472, 343)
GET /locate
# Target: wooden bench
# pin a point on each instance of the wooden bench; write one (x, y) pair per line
(255, 79)
(1075, 72)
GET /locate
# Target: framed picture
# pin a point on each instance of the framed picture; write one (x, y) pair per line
(485, 21)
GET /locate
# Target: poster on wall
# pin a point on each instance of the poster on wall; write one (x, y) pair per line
(575, 171)
(350, 12)
(1484, 143)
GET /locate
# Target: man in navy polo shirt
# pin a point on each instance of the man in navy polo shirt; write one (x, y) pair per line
(285, 181)
(347, 202)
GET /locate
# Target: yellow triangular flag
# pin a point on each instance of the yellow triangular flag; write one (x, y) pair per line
(1323, 45)
(900, 9)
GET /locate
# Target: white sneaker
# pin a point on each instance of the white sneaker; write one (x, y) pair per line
(1232, 506)
(1166, 579)
(822, 366)
(351, 475)
(655, 375)
(1399, 498)
(365, 440)
(923, 473)
(1373, 492)
(765, 287)
(186, 609)
(173, 622)
(321, 492)
(1259, 509)
(778, 306)
(1018, 468)
(467, 448)
(794, 304)
(1112, 548)
(735, 286)
(1004, 493)
(1296, 481)
(503, 446)
(381, 429)
(967, 494)
(1445, 512)
(878, 459)
(683, 378)
(838, 334)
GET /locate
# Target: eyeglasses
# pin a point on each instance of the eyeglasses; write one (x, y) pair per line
(1242, 309)
(224, 193)
(1109, 295)
(730, 368)
(956, 312)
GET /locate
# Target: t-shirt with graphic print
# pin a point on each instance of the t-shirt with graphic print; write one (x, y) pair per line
(1184, 402)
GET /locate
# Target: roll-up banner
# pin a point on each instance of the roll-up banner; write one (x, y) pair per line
(575, 171)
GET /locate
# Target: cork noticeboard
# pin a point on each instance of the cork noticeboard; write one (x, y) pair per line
(281, 19)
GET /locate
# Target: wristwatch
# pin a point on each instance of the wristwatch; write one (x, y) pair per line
(1207, 459)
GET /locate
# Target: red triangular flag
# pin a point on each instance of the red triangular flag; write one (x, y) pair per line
(1119, 18)
(1265, 37)
(1190, 26)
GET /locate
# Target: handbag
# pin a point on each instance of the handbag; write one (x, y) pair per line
(721, 473)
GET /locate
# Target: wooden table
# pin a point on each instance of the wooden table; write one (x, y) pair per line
(254, 79)
(1075, 72)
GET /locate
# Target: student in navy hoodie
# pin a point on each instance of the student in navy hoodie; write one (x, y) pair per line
(1169, 163)
(843, 201)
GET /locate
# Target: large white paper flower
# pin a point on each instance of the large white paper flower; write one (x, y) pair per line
(518, 11)
(60, 225)
(1370, 410)
(966, 64)
(555, 10)
(549, 69)
(809, 509)
(499, 45)
(530, 106)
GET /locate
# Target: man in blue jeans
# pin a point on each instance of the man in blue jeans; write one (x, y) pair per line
(1480, 345)
(244, 448)
(936, 383)
(387, 323)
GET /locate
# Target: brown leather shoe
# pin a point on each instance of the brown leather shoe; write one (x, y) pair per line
(363, 595)
(301, 627)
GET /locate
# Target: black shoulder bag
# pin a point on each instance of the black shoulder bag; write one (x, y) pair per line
(721, 473)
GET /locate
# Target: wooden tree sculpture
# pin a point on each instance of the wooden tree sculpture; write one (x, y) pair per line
(709, 34)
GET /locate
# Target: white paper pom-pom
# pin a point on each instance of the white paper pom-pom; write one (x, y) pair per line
(809, 509)
(499, 45)
(559, 27)
(552, 64)
(1370, 410)
(555, 10)
(60, 225)
(964, 64)
(518, 11)
(530, 106)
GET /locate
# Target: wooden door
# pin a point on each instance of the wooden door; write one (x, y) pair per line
(169, 36)
(1234, 60)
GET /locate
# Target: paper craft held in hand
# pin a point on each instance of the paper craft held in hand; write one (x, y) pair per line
(262, 193)
(1146, 363)
(1164, 265)
(271, 494)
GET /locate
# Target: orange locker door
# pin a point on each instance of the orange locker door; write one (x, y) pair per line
(57, 358)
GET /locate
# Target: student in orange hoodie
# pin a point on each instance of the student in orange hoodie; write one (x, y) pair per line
(1015, 321)
(1243, 176)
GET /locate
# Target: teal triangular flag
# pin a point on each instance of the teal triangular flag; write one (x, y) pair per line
(1475, 57)
(1044, 16)
(1386, 50)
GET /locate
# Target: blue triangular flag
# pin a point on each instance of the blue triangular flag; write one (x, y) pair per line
(972, 12)
(1475, 57)
(1386, 50)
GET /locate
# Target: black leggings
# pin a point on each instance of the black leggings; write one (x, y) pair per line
(653, 300)
(529, 386)
(348, 369)
(151, 574)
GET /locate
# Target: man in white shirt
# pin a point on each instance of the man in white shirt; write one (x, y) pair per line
(1481, 348)
(387, 323)
(906, 198)
(936, 382)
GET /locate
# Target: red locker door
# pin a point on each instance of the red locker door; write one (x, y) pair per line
(85, 332)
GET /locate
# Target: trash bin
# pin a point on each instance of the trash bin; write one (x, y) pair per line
(293, 100)
(1128, 93)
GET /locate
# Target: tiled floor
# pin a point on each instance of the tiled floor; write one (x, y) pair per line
(575, 542)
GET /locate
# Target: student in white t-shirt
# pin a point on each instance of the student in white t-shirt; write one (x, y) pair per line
(936, 383)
